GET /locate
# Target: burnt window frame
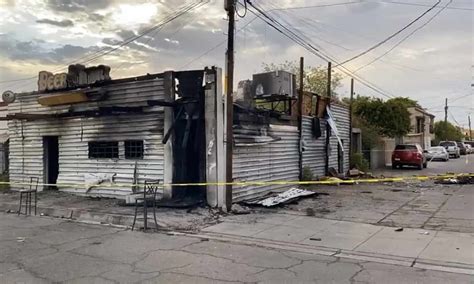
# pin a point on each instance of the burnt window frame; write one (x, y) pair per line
(138, 150)
(103, 150)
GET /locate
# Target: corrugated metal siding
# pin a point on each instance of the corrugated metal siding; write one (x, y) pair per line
(341, 115)
(276, 161)
(314, 154)
(26, 144)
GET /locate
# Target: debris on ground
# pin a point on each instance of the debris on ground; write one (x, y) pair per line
(399, 229)
(315, 239)
(366, 192)
(424, 233)
(333, 180)
(20, 239)
(284, 197)
(310, 212)
(240, 210)
(468, 179)
(332, 172)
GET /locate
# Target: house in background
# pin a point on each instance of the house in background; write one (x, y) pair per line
(422, 127)
(422, 132)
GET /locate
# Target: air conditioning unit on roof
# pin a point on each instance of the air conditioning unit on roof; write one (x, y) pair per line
(274, 85)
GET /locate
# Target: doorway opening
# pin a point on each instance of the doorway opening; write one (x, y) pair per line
(51, 161)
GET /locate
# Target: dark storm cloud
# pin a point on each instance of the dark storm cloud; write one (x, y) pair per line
(68, 52)
(72, 6)
(33, 50)
(63, 23)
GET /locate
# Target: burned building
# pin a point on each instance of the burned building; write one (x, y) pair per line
(101, 137)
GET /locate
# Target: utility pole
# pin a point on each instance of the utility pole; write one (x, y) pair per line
(446, 111)
(470, 131)
(350, 117)
(300, 116)
(230, 8)
(328, 128)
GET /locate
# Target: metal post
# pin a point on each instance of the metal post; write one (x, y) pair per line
(350, 117)
(328, 128)
(229, 113)
(300, 116)
(446, 111)
(470, 131)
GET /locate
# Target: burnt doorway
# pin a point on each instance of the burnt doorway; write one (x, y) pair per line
(51, 160)
(189, 154)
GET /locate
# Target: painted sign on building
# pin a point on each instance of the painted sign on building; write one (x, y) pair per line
(77, 75)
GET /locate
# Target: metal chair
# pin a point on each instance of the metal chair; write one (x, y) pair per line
(28, 194)
(150, 189)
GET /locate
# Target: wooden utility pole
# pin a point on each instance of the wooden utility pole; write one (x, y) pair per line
(328, 128)
(230, 7)
(300, 116)
(470, 130)
(350, 117)
(446, 111)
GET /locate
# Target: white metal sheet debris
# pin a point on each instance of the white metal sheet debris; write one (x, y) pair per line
(285, 196)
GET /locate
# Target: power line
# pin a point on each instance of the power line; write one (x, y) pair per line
(170, 36)
(392, 35)
(405, 38)
(102, 52)
(424, 5)
(216, 46)
(317, 6)
(308, 46)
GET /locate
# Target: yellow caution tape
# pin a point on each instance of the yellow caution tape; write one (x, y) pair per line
(251, 183)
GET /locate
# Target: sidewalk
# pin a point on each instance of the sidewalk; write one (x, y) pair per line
(437, 250)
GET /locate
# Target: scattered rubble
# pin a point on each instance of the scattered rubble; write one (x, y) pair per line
(283, 197)
(467, 179)
(399, 229)
(240, 210)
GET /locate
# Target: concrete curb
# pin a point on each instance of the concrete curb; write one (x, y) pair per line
(125, 221)
(75, 214)
(445, 266)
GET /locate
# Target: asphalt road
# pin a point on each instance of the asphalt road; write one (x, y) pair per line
(45, 250)
(465, 164)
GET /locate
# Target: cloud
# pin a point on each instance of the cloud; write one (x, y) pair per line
(72, 6)
(63, 23)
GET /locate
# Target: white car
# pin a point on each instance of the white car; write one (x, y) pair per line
(437, 153)
(451, 147)
(469, 149)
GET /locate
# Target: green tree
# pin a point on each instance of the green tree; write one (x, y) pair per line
(315, 79)
(390, 118)
(447, 131)
(406, 102)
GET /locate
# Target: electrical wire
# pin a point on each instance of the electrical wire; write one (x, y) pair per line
(309, 47)
(320, 5)
(245, 10)
(392, 35)
(404, 38)
(424, 5)
(104, 51)
(216, 46)
(157, 31)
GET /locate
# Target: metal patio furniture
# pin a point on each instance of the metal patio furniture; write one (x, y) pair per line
(33, 189)
(148, 197)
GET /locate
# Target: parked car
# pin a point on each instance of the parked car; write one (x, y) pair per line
(469, 148)
(437, 153)
(451, 147)
(409, 155)
(462, 148)
(469, 143)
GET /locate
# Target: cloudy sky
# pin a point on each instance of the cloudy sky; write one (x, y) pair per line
(433, 63)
